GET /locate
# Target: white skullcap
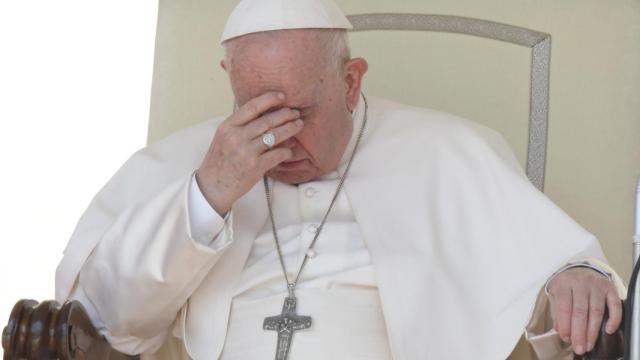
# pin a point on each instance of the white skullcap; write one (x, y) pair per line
(251, 16)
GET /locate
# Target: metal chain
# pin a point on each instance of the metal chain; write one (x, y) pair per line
(292, 285)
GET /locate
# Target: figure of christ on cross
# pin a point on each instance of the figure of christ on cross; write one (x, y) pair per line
(286, 324)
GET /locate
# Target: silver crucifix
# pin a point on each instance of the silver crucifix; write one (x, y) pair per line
(286, 324)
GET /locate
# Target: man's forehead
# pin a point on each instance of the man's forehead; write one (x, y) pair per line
(300, 86)
(295, 69)
(296, 100)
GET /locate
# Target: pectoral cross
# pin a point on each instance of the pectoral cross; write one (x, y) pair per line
(286, 324)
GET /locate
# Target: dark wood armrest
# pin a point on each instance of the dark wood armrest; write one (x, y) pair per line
(49, 331)
(607, 347)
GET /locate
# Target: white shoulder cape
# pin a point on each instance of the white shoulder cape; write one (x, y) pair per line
(460, 239)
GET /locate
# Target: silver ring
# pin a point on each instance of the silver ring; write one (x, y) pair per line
(269, 139)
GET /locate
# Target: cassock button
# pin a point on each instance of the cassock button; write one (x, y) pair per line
(313, 228)
(309, 192)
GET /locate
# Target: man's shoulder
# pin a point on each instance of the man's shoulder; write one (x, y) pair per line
(437, 126)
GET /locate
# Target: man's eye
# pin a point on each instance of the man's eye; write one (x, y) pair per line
(304, 114)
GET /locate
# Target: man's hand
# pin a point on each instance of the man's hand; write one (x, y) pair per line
(237, 158)
(578, 297)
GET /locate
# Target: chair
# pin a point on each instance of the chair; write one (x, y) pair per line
(593, 85)
(188, 89)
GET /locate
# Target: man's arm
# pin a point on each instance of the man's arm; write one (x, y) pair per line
(134, 255)
(147, 265)
(207, 228)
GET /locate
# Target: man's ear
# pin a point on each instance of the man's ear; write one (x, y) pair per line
(354, 71)
(223, 65)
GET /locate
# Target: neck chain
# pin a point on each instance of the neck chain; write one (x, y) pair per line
(289, 321)
(292, 285)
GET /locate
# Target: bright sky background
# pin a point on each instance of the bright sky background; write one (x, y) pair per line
(75, 83)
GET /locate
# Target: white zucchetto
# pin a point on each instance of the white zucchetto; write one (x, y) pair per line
(251, 16)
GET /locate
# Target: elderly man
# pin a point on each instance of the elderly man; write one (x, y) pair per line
(318, 223)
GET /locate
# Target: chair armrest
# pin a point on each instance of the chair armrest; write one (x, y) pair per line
(49, 331)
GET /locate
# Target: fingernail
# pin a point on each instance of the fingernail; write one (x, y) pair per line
(565, 339)
(589, 346)
(280, 96)
(579, 349)
(299, 122)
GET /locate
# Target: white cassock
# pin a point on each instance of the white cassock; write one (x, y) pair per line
(437, 249)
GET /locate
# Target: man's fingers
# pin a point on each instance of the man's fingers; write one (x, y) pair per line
(281, 133)
(579, 317)
(272, 158)
(580, 294)
(615, 312)
(596, 312)
(270, 121)
(563, 304)
(256, 107)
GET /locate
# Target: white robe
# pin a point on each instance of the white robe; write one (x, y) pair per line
(460, 240)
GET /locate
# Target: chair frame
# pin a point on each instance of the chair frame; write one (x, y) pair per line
(50, 330)
(539, 42)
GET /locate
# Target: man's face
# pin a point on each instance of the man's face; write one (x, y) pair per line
(291, 62)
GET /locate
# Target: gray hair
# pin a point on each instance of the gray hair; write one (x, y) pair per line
(336, 45)
(333, 42)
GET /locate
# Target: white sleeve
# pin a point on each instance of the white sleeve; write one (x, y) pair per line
(206, 224)
(124, 343)
(146, 266)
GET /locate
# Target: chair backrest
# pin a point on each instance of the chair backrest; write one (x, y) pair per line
(540, 44)
(593, 145)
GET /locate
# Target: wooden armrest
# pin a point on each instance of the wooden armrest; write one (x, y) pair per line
(49, 331)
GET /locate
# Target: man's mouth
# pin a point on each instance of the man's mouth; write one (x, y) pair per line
(290, 164)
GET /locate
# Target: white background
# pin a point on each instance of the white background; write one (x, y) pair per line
(75, 82)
